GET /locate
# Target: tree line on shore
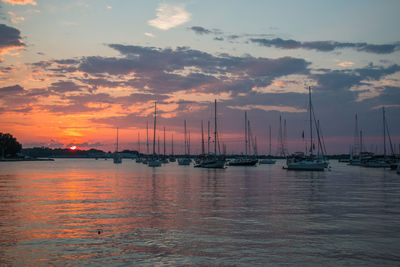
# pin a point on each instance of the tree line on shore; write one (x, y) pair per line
(9, 146)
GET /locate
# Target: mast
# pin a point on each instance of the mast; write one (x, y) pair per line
(208, 138)
(189, 143)
(147, 137)
(285, 151)
(164, 141)
(202, 138)
(384, 132)
(158, 144)
(280, 138)
(361, 142)
(184, 124)
(154, 130)
(356, 137)
(249, 136)
(215, 126)
(311, 141)
(245, 132)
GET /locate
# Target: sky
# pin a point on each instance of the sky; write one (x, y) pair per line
(72, 72)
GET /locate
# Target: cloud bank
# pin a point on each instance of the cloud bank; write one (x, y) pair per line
(327, 46)
(320, 46)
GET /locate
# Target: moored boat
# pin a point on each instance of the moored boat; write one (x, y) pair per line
(213, 160)
(117, 157)
(311, 162)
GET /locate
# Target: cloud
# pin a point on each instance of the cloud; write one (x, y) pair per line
(20, 2)
(16, 99)
(170, 16)
(269, 108)
(14, 18)
(327, 46)
(200, 30)
(15, 89)
(346, 64)
(149, 34)
(64, 86)
(10, 39)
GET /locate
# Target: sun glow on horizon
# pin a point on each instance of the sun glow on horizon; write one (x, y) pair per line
(72, 148)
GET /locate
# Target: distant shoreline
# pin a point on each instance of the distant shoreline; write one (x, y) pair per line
(21, 159)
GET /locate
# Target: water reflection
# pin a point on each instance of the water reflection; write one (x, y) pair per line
(51, 214)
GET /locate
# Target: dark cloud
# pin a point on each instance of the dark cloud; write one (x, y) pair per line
(137, 98)
(64, 86)
(342, 80)
(17, 99)
(11, 90)
(70, 108)
(327, 46)
(221, 35)
(67, 61)
(200, 30)
(94, 83)
(163, 70)
(9, 37)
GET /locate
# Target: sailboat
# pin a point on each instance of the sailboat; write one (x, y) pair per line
(268, 160)
(213, 161)
(185, 160)
(385, 161)
(117, 157)
(246, 160)
(358, 156)
(154, 162)
(311, 162)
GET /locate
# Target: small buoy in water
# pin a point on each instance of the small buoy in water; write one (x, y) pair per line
(99, 231)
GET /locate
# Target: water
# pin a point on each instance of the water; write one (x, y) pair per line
(51, 213)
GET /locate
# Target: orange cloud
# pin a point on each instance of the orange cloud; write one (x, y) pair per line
(279, 83)
(346, 64)
(14, 18)
(7, 50)
(20, 2)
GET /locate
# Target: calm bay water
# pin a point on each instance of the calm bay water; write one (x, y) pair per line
(51, 212)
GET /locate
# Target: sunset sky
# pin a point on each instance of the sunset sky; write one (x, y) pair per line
(71, 72)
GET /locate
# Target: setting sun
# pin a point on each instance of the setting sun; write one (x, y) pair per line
(72, 147)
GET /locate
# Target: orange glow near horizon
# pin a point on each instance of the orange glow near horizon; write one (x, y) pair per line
(73, 147)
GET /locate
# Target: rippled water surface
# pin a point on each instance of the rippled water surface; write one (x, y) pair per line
(92, 212)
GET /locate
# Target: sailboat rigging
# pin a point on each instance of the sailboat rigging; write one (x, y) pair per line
(299, 161)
